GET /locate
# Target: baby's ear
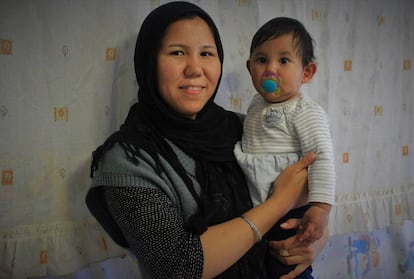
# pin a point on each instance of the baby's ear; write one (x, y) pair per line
(248, 65)
(309, 72)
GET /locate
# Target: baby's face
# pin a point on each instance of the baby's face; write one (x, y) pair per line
(276, 69)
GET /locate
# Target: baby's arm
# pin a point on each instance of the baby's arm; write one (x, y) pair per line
(312, 128)
(314, 222)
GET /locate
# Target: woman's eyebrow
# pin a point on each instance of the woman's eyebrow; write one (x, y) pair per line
(184, 45)
(209, 46)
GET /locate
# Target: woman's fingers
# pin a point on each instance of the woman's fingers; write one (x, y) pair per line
(297, 255)
(307, 160)
(286, 244)
(290, 224)
(295, 272)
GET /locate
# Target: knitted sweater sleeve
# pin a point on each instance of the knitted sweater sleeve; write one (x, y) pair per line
(155, 232)
(312, 128)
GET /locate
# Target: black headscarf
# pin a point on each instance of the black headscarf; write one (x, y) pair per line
(213, 133)
(209, 138)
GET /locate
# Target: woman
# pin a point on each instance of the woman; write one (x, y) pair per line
(167, 185)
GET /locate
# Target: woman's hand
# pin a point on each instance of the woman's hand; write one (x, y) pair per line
(290, 185)
(291, 251)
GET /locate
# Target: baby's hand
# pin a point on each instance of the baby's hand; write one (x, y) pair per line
(313, 223)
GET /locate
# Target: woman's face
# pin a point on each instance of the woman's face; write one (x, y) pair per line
(188, 66)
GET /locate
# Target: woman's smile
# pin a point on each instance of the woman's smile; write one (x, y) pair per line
(192, 90)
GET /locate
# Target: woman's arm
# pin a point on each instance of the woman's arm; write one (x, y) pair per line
(155, 231)
(225, 243)
(291, 251)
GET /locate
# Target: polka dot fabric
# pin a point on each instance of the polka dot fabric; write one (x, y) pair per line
(154, 229)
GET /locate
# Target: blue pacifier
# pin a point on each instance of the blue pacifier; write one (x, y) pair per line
(269, 86)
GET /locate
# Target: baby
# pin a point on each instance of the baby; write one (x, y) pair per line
(281, 125)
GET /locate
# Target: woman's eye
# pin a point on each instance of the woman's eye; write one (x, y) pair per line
(177, 53)
(284, 61)
(206, 53)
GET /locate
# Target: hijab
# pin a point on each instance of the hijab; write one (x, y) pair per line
(212, 134)
(209, 138)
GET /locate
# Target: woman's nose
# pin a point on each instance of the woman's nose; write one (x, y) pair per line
(193, 67)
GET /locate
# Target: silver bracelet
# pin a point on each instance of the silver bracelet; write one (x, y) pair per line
(253, 227)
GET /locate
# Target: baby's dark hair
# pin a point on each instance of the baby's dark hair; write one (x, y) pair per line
(279, 26)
